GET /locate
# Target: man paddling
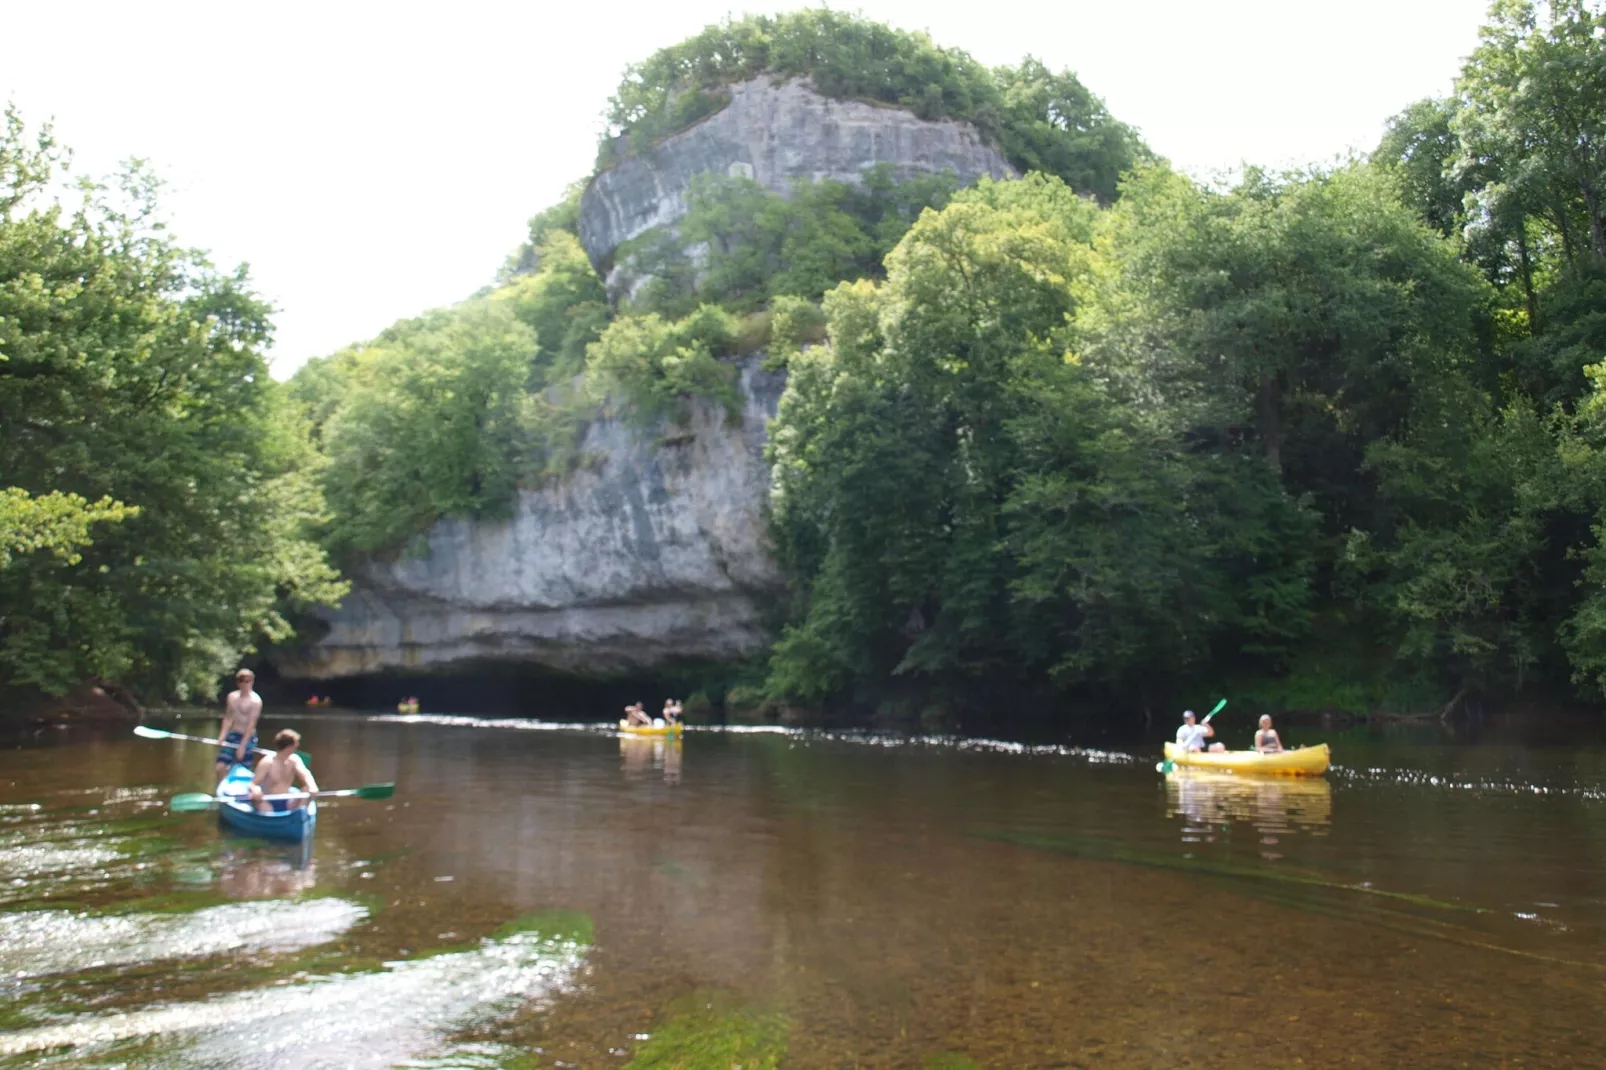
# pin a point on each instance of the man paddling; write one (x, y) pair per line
(1192, 736)
(279, 772)
(237, 736)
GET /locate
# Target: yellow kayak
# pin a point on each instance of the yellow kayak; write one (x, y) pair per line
(650, 730)
(1307, 761)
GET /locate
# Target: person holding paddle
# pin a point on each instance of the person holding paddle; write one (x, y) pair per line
(1194, 737)
(238, 732)
(280, 771)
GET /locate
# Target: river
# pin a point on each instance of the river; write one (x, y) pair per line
(538, 895)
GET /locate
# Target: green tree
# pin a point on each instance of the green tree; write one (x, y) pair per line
(133, 373)
(958, 502)
(656, 366)
(434, 422)
(1533, 119)
(55, 523)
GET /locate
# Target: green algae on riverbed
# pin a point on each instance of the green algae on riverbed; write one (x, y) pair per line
(948, 1060)
(1105, 851)
(712, 1029)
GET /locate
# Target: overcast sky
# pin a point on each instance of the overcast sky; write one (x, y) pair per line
(371, 161)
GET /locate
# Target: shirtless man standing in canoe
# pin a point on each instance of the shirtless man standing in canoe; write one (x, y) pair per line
(237, 737)
(279, 772)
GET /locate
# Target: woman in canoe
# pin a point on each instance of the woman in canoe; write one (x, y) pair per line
(1266, 739)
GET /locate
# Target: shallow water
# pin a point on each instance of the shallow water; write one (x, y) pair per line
(1429, 903)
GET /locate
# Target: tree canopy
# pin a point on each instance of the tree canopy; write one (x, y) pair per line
(159, 492)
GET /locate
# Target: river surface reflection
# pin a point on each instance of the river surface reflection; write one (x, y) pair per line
(1275, 807)
(540, 896)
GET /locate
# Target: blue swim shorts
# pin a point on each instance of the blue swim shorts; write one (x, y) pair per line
(225, 753)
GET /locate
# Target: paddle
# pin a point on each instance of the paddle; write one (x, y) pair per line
(1168, 765)
(199, 800)
(157, 733)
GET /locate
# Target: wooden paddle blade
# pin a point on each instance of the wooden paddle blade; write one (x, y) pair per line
(376, 791)
(191, 801)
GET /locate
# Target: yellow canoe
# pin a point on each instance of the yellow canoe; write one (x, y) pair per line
(1306, 761)
(650, 730)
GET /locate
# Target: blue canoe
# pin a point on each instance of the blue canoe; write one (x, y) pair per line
(235, 813)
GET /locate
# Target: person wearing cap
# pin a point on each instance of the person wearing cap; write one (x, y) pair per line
(1193, 736)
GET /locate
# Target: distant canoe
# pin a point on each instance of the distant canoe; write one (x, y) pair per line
(406, 707)
(650, 730)
(1306, 761)
(235, 812)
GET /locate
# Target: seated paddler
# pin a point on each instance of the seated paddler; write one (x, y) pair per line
(280, 772)
(1194, 737)
(1266, 739)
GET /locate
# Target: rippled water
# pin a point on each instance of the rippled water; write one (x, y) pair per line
(555, 895)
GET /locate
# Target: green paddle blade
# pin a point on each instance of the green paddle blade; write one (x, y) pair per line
(376, 791)
(150, 733)
(191, 801)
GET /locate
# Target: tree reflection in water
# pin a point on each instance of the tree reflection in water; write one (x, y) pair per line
(1275, 806)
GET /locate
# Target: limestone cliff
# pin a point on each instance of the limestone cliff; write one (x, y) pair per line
(775, 133)
(653, 551)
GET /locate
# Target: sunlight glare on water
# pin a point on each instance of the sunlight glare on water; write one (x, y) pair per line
(345, 1022)
(38, 942)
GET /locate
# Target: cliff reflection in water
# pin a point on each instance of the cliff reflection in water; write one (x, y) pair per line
(1275, 806)
(641, 756)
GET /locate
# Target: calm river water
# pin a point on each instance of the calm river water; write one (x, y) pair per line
(550, 896)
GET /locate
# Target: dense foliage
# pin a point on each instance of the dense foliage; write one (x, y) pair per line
(1041, 120)
(1338, 429)
(158, 492)
(1333, 437)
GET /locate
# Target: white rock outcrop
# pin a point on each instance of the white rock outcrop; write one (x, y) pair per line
(655, 550)
(775, 133)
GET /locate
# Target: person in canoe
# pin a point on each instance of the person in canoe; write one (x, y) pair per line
(636, 714)
(1266, 738)
(1195, 737)
(237, 736)
(279, 772)
(671, 711)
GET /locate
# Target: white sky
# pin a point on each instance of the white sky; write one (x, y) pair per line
(371, 161)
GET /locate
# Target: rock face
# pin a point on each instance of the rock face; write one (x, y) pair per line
(775, 133)
(653, 551)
